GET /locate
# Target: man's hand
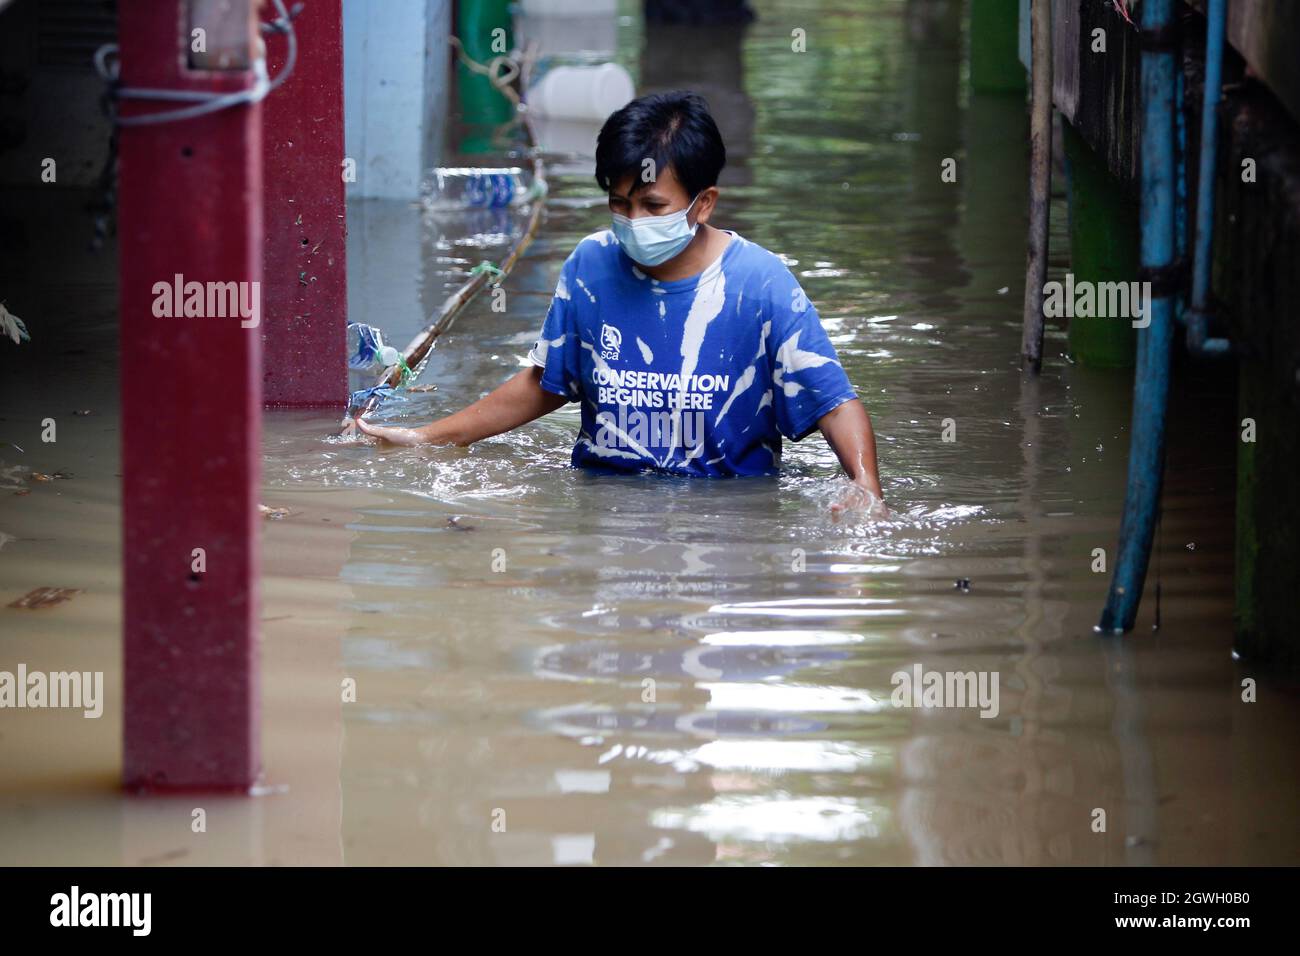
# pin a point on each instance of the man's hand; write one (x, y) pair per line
(848, 431)
(859, 498)
(390, 434)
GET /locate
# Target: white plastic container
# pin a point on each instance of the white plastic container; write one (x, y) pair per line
(569, 8)
(581, 92)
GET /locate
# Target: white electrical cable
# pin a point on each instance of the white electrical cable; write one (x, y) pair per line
(204, 102)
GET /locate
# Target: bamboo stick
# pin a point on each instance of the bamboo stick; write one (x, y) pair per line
(417, 352)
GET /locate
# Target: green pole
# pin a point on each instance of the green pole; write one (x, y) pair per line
(1103, 248)
(485, 30)
(995, 65)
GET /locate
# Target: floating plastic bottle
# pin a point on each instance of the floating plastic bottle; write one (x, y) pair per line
(366, 348)
(476, 187)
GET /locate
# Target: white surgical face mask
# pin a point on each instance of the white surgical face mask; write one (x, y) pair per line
(650, 240)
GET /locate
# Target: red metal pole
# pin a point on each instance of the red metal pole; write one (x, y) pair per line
(306, 301)
(190, 205)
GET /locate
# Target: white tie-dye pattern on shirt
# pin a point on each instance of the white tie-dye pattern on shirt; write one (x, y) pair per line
(543, 348)
(790, 358)
(779, 391)
(746, 377)
(710, 294)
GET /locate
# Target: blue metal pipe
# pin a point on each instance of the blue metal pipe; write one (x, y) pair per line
(1180, 197)
(1151, 377)
(1199, 341)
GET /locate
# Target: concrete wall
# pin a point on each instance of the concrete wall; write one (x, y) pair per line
(396, 69)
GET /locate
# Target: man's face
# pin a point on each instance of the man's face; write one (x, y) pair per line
(660, 197)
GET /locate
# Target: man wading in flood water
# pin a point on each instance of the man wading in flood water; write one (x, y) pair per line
(691, 349)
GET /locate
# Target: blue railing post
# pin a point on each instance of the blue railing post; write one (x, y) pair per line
(1198, 316)
(1151, 378)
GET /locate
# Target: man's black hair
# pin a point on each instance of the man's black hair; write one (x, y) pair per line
(674, 129)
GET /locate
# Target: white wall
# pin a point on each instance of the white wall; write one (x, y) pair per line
(396, 59)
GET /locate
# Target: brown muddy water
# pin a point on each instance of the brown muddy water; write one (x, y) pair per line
(501, 612)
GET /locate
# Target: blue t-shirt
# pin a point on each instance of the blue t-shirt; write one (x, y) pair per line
(699, 376)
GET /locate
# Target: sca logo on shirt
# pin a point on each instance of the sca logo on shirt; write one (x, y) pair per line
(611, 339)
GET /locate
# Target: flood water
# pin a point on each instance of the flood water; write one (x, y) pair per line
(555, 667)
